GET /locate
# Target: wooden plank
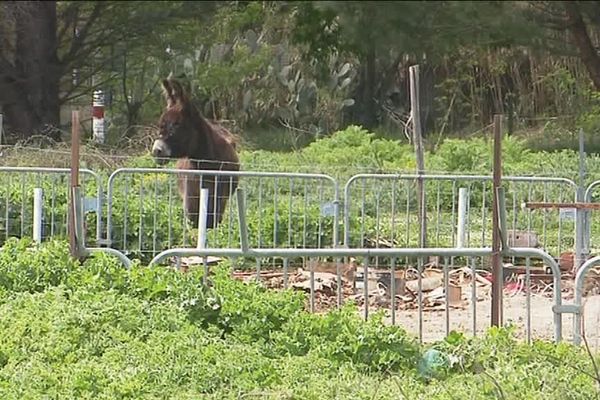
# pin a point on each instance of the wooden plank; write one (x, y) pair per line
(74, 181)
(580, 206)
(497, 273)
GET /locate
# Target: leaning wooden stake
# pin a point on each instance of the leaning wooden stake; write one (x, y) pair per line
(74, 182)
(497, 274)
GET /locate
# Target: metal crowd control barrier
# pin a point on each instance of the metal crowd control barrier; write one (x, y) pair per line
(391, 253)
(338, 253)
(145, 213)
(17, 193)
(302, 213)
(380, 210)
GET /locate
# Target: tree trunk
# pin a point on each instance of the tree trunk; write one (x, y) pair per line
(427, 100)
(31, 84)
(581, 38)
(366, 107)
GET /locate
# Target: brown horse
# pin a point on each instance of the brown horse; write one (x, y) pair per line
(198, 144)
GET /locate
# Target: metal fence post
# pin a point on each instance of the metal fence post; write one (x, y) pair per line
(37, 214)
(463, 195)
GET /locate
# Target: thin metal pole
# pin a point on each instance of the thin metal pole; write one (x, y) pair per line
(497, 275)
(202, 219)
(37, 214)
(241, 201)
(462, 216)
(203, 206)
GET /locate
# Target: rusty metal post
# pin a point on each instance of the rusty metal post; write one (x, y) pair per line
(75, 251)
(497, 274)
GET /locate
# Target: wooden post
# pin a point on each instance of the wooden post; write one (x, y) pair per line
(415, 112)
(74, 181)
(581, 215)
(510, 108)
(497, 273)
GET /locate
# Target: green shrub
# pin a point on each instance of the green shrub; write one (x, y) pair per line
(100, 331)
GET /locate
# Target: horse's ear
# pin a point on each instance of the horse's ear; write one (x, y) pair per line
(168, 93)
(178, 92)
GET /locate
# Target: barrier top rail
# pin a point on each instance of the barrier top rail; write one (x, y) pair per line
(461, 177)
(220, 173)
(48, 170)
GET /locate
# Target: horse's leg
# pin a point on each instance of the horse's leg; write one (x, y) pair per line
(224, 189)
(189, 189)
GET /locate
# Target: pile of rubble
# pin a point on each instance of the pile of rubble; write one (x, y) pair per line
(379, 286)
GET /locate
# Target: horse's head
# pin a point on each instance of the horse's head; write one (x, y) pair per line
(176, 124)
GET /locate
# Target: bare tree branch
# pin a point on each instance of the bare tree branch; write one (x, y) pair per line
(79, 41)
(68, 16)
(97, 85)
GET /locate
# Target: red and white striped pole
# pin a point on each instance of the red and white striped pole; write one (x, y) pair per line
(98, 116)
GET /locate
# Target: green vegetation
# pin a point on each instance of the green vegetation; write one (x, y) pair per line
(285, 73)
(147, 214)
(99, 331)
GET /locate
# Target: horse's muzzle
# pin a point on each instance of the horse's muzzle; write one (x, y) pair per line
(160, 152)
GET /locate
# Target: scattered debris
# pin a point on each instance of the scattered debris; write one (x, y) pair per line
(434, 293)
(188, 262)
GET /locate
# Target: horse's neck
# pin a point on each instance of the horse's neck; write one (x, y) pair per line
(206, 143)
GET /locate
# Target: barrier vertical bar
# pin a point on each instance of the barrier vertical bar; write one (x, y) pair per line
(37, 214)
(462, 216)
(242, 219)
(202, 218)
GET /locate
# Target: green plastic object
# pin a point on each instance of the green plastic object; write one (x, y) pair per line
(433, 363)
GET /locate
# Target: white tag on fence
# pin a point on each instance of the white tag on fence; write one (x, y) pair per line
(328, 209)
(90, 204)
(567, 214)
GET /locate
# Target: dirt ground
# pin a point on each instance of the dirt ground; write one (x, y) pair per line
(460, 317)
(515, 312)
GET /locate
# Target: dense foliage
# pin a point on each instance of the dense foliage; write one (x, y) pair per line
(99, 331)
(147, 215)
(309, 68)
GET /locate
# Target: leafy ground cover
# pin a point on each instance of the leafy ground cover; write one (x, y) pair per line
(96, 330)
